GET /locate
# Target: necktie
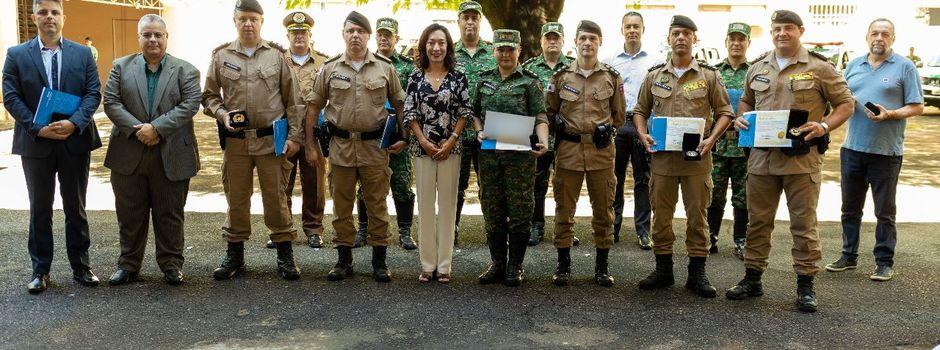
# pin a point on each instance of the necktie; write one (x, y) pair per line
(55, 71)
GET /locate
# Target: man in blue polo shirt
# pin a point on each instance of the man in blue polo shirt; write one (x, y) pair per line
(873, 148)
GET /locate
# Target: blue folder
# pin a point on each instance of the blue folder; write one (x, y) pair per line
(388, 132)
(54, 102)
(488, 144)
(280, 136)
(657, 128)
(734, 96)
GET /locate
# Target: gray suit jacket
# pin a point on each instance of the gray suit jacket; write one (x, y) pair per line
(176, 101)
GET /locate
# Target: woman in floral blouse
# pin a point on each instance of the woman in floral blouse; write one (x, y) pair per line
(437, 107)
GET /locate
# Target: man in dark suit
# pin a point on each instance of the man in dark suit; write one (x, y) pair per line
(60, 150)
(151, 97)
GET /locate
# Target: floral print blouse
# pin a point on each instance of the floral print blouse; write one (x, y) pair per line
(437, 112)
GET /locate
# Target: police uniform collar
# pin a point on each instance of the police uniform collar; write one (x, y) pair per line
(802, 56)
(692, 66)
(237, 45)
(370, 57)
(576, 68)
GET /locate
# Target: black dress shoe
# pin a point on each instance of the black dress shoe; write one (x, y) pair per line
(314, 241)
(38, 284)
(122, 276)
(86, 278)
(173, 277)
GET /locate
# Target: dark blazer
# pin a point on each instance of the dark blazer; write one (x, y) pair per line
(24, 76)
(176, 101)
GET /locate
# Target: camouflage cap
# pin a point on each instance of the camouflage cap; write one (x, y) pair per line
(553, 27)
(470, 5)
(249, 6)
(298, 20)
(387, 23)
(786, 16)
(738, 27)
(506, 37)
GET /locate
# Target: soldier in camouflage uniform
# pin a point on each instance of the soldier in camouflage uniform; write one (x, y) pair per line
(507, 205)
(544, 66)
(729, 161)
(386, 39)
(473, 56)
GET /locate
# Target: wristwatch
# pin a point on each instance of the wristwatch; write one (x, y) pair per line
(824, 126)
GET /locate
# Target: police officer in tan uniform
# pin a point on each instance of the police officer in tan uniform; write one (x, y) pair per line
(305, 62)
(586, 104)
(682, 87)
(357, 85)
(789, 77)
(251, 75)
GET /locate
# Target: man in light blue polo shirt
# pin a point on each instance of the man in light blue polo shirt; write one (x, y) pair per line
(632, 64)
(872, 151)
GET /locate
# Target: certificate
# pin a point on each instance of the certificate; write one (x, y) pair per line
(765, 129)
(507, 132)
(667, 132)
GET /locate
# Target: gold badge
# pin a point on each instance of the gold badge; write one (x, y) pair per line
(780, 135)
(801, 76)
(238, 118)
(299, 18)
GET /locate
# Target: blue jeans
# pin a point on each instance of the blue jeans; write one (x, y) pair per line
(859, 171)
(631, 152)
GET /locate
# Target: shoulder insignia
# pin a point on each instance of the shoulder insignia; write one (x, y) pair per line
(220, 47)
(277, 46)
(818, 55)
(334, 58)
(761, 57)
(382, 58)
(703, 64)
(658, 66)
(529, 61)
(526, 72)
(318, 53)
(611, 70)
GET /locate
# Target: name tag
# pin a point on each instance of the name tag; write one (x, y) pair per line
(490, 85)
(340, 77)
(802, 76)
(232, 66)
(762, 79)
(663, 86)
(566, 87)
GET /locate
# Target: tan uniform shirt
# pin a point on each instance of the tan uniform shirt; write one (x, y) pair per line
(811, 84)
(357, 104)
(699, 93)
(261, 85)
(306, 73)
(583, 104)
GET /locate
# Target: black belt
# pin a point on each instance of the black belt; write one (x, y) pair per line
(576, 138)
(261, 132)
(364, 136)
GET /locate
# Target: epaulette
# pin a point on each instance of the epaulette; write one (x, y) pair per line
(318, 53)
(382, 58)
(658, 66)
(530, 74)
(818, 55)
(277, 46)
(761, 57)
(529, 61)
(334, 58)
(703, 64)
(220, 47)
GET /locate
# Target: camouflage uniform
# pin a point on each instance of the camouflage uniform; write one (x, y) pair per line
(729, 163)
(402, 174)
(471, 66)
(543, 168)
(507, 205)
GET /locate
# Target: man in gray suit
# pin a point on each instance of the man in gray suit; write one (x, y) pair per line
(151, 97)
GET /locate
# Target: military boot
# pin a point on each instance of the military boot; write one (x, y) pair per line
(740, 232)
(379, 268)
(662, 276)
(286, 267)
(537, 233)
(715, 215)
(601, 276)
(750, 286)
(495, 273)
(697, 281)
(405, 218)
(514, 271)
(343, 268)
(234, 262)
(563, 270)
(806, 296)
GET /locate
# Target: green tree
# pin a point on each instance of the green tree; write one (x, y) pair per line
(526, 16)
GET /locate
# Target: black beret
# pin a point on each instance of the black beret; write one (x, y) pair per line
(683, 22)
(786, 16)
(359, 20)
(590, 27)
(249, 6)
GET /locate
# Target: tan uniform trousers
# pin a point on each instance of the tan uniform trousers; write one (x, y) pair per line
(566, 187)
(696, 196)
(238, 183)
(763, 197)
(313, 192)
(374, 181)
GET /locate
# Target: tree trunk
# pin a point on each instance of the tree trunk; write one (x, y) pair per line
(526, 16)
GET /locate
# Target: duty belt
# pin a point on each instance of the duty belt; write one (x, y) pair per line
(575, 138)
(261, 132)
(364, 136)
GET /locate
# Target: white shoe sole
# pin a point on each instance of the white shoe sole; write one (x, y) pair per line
(830, 268)
(880, 278)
